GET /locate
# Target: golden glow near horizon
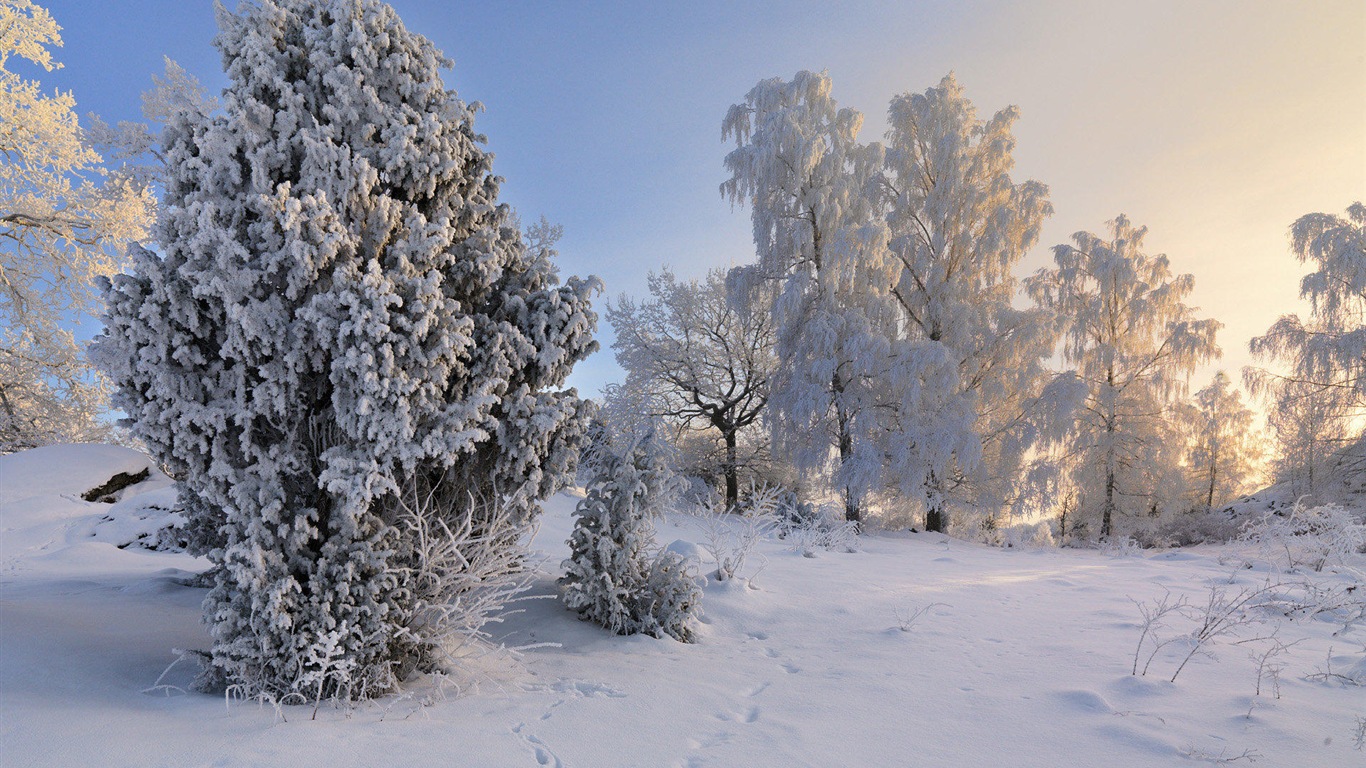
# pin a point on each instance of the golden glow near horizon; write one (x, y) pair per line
(1215, 124)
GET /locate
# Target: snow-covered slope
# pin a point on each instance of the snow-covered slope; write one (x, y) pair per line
(42, 509)
(70, 470)
(1021, 657)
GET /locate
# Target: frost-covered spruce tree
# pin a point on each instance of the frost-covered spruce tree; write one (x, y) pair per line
(341, 309)
(616, 575)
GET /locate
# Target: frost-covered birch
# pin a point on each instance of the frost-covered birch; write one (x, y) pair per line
(1225, 451)
(799, 167)
(64, 222)
(1317, 386)
(1328, 349)
(341, 310)
(1133, 341)
(958, 226)
(1312, 425)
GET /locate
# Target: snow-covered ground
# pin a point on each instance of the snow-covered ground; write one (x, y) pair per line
(1021, 658)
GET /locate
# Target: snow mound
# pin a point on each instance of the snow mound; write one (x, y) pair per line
(42, 498)
(69, 470)
(140, 519)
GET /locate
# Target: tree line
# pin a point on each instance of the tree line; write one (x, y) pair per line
(883, 340)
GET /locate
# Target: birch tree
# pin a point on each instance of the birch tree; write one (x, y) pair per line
(1329, 348)
(63, 223)
(1311, 425)
(799, 167)
(1133, 341)
(1317, 384)
(1225, 449)
(958, 226)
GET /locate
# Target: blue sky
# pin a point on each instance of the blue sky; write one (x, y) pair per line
(1215, 123)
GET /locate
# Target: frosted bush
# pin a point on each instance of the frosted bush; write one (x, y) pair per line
(1120, 546)
(730, 537)
(833, 537)
(1189, 527)
(1313, 537)
(461, 576)
(670, 599)
(1038, 534)
(616, 575)
(793, 513)
(807, 527)
(999, 531)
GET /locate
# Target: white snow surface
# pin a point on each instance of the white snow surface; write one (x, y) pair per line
(1022, 660)
(72, 470)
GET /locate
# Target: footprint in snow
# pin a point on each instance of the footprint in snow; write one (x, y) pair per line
(542, 753)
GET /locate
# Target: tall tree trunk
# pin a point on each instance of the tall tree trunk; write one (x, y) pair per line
(852, 512)
(1108, 513)
(1313, 459)
(1209, 498)
(936, 519)
(1062, 519)
(732, 472)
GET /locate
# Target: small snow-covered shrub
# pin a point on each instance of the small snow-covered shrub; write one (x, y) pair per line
(1188, 528)
(1312, 537)
(831, 536)
(808, 527)
(671, 598)
(999, 531)
(1121, 546)
(1037, 534)
(616, 576)
(732, 536)
(1220, 618)
(1303, 598)
(791, 512)
(907, 619)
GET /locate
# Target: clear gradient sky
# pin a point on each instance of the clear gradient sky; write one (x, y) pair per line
(1215, 123)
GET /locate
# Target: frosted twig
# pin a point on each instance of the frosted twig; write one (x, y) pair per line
(907, 621)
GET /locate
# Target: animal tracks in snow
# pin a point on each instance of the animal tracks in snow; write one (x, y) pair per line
(744, 710)
(577, 689)
(567, 690)
(543, 754)
(747, 715)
